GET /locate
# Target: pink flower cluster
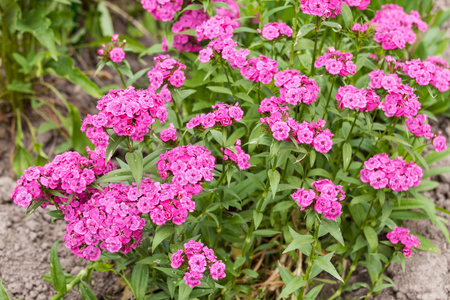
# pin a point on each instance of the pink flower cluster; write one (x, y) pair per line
(162, 10)
(128, 112)
(219, 30)
(336, 62)
(164, 202)
(239, 157)
(382, 172)
(433, 70)
(322, 8)
(402, 235)
(296, 88)
(189, 19)
(168, 134)
(272, 31)
(283, 128)
(217, 27)
(353, 98)
(361, 29)
(359, 4)
(260, 69)
(223, 113)
(393, 26)
(417, 126)
(113, 51)
(400, 100)
(325, 196)
(195, 259)
(68, 173)
(189, 165)
(106, 219)
(166, 71)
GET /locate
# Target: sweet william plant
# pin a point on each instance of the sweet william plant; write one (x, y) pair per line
(280, 142)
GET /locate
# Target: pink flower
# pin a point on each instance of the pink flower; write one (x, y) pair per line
(280, 130)
(217, 270)
(169, 134)
(117, 54)
(197, 263)
(440, 143)
(192, 279)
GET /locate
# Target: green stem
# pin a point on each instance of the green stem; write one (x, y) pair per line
(120, 75)
(380, 274)
(294, 34)
(329, 97)
(311, 258)
(80, 276)
(313, 69)
(350, 272)
(228, 79)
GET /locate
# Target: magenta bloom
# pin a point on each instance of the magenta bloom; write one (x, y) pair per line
(402, 235)
(324, 197)
(440, 143)
(336, 62)
(200, 258)
(117, 54)
(382, 172)
(272, 31)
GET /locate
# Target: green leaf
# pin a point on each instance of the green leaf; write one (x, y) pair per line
(103, 267)
(35, 21)
(293, 285)
(395, 139)
(135, 162)
(371, 237)
(22, 160)
(265, 232)
(305, 29)
(426, 244)
(105, 21)
(64, 68)
(86, 292)
(57, 214)
(3, 293)
(139, 281)
(314, 292)
(161, 234)
(58, 279)
(257, 218)
(157, 259)
(115, 176)
(362, 198)
(184, 291)
(274, 179)
(79, 138)
(347, 155)
(220, 89)
(347, 15)
(437, 156)
(298, 241)
(325, 264)
(333, 228)
(333, 25)
(217, 135)
(113, 143)
(21, 87)
(306, 60)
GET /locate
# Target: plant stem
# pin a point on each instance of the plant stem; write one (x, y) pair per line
(294, 34)
(380, 274)
(329, 97)
(350, 272)
(120, 75)
(311, 258)
(313, 70)
(80, 276)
